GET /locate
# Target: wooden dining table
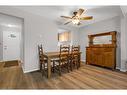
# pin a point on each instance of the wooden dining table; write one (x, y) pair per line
(53, 55)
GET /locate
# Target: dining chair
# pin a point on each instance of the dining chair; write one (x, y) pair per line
(42, 60)
(75, 57)
(63, 61)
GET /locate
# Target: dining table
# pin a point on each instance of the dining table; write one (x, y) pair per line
(53, 55)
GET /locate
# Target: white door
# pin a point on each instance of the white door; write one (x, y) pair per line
(11, 45)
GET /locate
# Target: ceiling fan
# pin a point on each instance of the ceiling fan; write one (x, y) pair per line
(76, 18)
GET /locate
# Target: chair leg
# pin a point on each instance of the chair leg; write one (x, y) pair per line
(77, 64)
(47, 73)
(79, 61)
(71, 66)
(74, 63)
(42, 70)
(59, 69)
(67, 66)
(40, 67)
(53, 66)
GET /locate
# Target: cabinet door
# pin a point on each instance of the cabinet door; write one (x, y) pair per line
(93, 56)
(109, 58)
(97, 56)
(99, 59)
(88, 56)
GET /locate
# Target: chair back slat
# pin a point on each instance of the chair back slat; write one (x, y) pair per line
(40, 51)
(64, 51)
(75, 50)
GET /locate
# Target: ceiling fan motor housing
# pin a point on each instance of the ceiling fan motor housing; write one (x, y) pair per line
(75, 13)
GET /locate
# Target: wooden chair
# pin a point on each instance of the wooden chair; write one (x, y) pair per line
(42, 60)
(63, 60)
(75, 57)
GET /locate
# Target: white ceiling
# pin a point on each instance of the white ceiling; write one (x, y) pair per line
(10, 21)
(54, 12)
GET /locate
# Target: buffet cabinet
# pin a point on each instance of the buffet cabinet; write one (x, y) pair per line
(101, 56)
(101, 52)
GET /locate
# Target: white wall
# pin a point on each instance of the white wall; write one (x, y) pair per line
(112, 24)
(22, 41)
(1, 45)
(75, 36)
(124, 43)
(37, 30)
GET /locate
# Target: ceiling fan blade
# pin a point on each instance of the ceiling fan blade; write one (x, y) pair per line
(66, 17)
(87, 18)
(79, 12)
(67, 22)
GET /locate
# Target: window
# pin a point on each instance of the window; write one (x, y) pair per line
(64, 37)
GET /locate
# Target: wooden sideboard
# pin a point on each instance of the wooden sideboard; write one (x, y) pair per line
(104, 54)
(101, 56)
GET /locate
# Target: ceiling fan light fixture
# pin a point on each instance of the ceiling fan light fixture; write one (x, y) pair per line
(76, 18)
(75, 21)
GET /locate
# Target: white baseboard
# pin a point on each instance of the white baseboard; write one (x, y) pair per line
(117, 68)
(28, 71)
(123, 70)
(1, 61)
(83, 61)
(23, 68)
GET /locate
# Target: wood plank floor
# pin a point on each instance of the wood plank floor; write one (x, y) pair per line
(87, 77)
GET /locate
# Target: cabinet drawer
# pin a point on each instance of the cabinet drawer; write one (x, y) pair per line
(108, 49)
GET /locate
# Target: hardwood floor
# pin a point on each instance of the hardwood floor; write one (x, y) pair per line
(87, 77)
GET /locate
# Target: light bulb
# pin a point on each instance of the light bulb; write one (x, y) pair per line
(75, 21)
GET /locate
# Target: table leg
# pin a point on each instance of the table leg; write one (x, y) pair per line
(79, 60)
(49, 67)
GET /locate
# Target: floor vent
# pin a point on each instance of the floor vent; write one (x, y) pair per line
(11, 63)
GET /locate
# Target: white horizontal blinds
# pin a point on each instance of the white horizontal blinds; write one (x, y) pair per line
(63, 37)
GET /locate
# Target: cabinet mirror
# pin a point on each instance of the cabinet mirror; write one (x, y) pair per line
(107, 39)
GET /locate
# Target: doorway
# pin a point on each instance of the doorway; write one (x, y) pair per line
(11, 44)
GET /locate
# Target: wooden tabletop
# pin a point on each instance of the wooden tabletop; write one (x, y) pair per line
(52, 54)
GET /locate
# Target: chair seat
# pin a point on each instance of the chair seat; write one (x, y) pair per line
(46, 61)
(58, 60)
(46, 65)
(74, 57)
